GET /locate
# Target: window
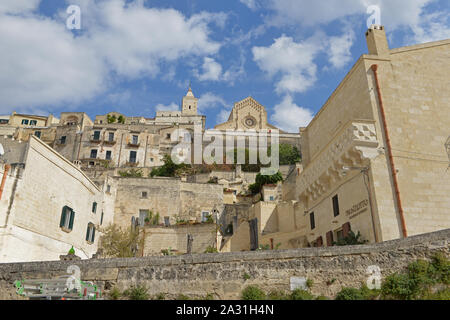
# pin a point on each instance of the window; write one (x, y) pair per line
(108, 189)
(135, 139)
(168, 136)
(33, 122)
(63, 139)
(312, 221)
(94, 154)
(111, 137)
(133, 155)
(143, 214)
(108, 155)
(144, 194)
(205, 216)
(271, 198)
(151, 159)
(335, 206)
(67, 218)
(37, 134)
(101, 219)
(167, 221)
(25, 121)
(94, 207)
(90, 233)
(96, 136)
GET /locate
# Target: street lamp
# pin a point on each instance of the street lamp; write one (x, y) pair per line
(365, 171)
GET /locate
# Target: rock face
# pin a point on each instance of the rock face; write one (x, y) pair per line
(225, 275)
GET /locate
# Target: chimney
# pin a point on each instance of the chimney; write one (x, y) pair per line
(377, 41)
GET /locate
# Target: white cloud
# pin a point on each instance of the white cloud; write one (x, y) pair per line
(393, 13)
(294, 61)
(209, 101)
(339, 54)
(43, 63)
(18, 6)
(290, 117)
(252, 4)
(223, 116)
(212, 71)
(432, 27)
(170, 107)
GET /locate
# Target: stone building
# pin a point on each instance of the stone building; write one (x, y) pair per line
(42, 223)
(375, 158)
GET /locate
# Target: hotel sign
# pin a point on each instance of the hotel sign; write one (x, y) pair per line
(357, 209)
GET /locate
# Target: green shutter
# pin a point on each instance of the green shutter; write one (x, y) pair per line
(87, 233)
(101, 219)
(93, 233)
(72, 217)
(63, 217)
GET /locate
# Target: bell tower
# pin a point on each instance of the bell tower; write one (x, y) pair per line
(189, 104)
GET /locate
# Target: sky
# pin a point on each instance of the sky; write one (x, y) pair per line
(138, 56)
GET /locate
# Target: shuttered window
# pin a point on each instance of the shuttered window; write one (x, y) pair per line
(335, 206)
(346, 229)
(329, 238)
(90, 233)
(312, 221)
(94, 207)
(67, 218)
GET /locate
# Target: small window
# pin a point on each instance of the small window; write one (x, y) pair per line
(63, 139)
(205, 216)
(143, 214)
(96, 136)
(108, 189)
(111, 137)
(335, 206)
(167, 221)
(144, 194)
(94, 154)
(108, 155)
(271, 198)
(168, 136)
(67, 218)
(25, 121)
(133, 156)
(135, 139)
(312, 221)
(37, 134)
(151, 159)
(33, 122)
(94, 207)
(90, 233)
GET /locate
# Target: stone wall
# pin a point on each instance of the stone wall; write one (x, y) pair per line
(223, 274)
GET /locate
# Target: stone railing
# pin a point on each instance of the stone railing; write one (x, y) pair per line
(352, 144)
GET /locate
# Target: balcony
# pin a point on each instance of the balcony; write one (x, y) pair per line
(109, 142)
(95, 139)
(351, 146)
(133, 144)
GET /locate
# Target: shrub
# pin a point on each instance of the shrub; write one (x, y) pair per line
(299, 294)
(119, 243)
(246, 276)
(211, 249)
(309, 283)
(132, 173)
(114, 294)
(349, 294)
(350, 240)
(253, 293)
(278, 295)
(160, 296)
(137, 293)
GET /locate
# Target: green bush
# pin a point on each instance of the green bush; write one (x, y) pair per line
(169, 168)
(350, 240)
(114, 294)
(278, 295)
(349, 294)
(211, 249)
(253, 293)
(137, 293)
(299, 294)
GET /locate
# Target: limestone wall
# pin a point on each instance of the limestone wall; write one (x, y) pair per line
(223, 274)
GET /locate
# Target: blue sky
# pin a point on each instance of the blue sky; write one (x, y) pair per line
(137, 57)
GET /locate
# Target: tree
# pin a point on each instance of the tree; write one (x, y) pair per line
(169, 169)
(121, 119)
(119, 243)
(288, 154)
(261, 180)
(111, 119)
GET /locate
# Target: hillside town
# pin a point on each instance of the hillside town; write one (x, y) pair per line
(374, 163)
